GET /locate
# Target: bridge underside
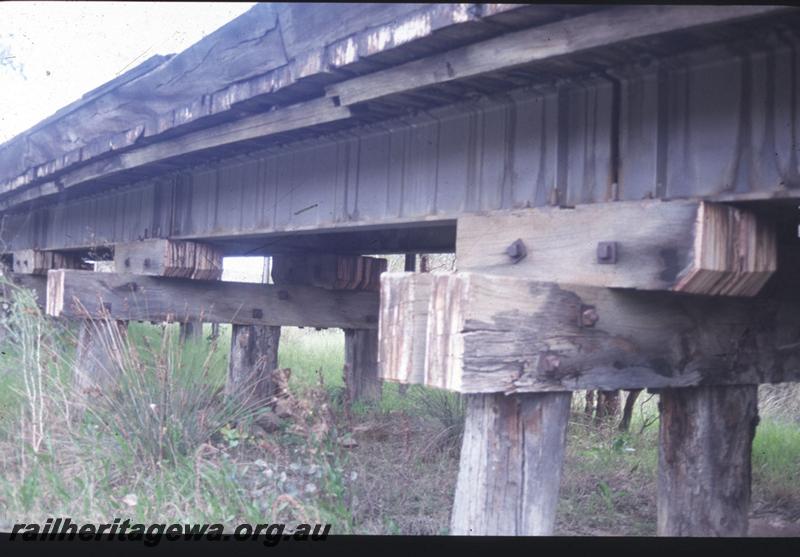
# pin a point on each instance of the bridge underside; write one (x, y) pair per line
(625, 219)
(719, 122)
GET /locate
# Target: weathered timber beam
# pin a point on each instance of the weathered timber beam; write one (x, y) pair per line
(38, 262)
(169, 258)
(301, 115)
(82, 294)
(332, 271)
(571, 36)
(683, 246)
(489, 333)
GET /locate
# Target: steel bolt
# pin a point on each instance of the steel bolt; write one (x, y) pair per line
(589, 316)
(607, 253)
(549, 363)
(517, 251)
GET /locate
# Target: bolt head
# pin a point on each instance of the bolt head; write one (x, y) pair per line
(589, 317)
(517, 250)
(549, 363)
(607, 253)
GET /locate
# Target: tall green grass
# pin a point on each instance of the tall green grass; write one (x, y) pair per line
(776, 460)
(139, 447)
(307, 351)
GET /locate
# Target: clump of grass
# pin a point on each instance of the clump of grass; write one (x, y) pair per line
(166, 399)
(776, 461)
(446, 408)
(136, 443)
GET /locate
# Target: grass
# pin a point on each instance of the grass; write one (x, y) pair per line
(164, 445)
(776, 465)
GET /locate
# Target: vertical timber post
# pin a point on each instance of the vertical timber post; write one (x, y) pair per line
(98, 357)
(253, 359)
(191, 331)
(361, 365)
(511, 460)
(410, 265)
(99, 354)
(342, 272)
(705, 442)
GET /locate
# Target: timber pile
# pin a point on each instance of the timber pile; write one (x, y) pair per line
(343, 274)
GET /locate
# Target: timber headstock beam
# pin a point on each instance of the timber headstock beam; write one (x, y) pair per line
(594, 297)
(169, 258)
(38, 262)
(28, 269)
(682, 246)
(90, 295)
(331, 271)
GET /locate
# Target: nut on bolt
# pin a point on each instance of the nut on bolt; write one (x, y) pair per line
(589, 316)
(517, 250)
(606, 253)
(549, 363)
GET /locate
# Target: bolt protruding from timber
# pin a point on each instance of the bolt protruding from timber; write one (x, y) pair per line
(517, 251)
(589, 316)
(549, 363)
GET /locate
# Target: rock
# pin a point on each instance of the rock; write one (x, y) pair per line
(269, 421)
(348, 442)
(283, 408)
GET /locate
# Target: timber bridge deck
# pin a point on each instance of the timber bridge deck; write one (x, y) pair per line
(620, 186)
